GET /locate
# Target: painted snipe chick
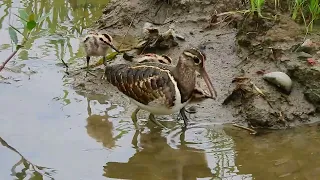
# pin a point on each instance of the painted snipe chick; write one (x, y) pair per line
(96, 44)
(159, 88)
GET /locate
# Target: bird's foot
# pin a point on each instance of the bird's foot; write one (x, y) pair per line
(184, 117)
(88, 71)
(103, 77)
(153, 119)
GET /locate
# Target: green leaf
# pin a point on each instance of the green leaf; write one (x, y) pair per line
(24, 16)
(43, 17)
(31, 24)
(16, 30)
(31, 17)
(111, 56)
(13, 35)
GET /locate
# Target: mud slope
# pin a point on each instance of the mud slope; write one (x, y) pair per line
(230, 54)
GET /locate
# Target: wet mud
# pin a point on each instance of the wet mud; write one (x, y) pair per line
(236, 46)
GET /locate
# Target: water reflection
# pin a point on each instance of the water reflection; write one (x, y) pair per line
(66, 23)
(290, 154)
(99, 125)
(155, 159)
(100, 129)
(27, 169)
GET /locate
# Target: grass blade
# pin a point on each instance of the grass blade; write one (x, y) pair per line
(42, 18)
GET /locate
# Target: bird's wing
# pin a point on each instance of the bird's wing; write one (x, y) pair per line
(144, 83)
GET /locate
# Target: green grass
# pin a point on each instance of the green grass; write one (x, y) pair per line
(256, 5)
(306, 10)
(314, 8)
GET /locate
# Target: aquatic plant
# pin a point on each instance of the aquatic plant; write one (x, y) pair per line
(30, 22)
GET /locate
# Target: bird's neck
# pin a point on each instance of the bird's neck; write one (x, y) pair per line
(184, 74)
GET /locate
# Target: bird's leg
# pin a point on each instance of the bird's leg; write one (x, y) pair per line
(88, 68)
(104, 72)
(153, 119)
(88, 60)
(134, 117)
(184, 116)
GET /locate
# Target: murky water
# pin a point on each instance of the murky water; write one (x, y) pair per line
(50, 131)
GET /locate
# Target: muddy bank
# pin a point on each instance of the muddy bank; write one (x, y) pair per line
(235, 47)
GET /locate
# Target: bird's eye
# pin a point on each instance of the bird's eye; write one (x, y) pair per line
(196, 60)
(103, 40)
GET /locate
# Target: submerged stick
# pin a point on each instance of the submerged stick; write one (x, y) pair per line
(252, 131)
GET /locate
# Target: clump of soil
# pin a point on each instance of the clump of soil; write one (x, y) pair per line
(256, 46)
(271, 45)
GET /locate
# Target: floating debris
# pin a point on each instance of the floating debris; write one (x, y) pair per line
(280, 79)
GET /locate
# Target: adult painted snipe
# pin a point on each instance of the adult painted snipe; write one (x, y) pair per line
(159, 88)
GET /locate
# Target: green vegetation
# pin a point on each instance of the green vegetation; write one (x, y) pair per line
(29, 22)
(307, 10)
(256, 5)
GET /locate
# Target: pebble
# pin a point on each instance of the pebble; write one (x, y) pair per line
(280, 79)
(304, 55)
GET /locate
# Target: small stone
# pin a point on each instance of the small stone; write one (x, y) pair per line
(307, 43)
(280, 79)
(307, 46)
(304, 55)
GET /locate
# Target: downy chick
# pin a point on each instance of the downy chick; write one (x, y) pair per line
(97, 44)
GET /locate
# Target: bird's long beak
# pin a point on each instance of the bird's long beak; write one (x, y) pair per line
(206, 78)
(112, 46)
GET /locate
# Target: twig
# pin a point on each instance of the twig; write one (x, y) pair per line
(128, 30)
(65, 64)
(252, 131)
(8, 59)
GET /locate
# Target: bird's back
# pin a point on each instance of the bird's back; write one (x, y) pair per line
(150, 84)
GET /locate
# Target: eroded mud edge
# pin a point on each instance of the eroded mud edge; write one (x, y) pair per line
(237, 47)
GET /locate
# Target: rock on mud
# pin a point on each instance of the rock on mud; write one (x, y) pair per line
(280, 79)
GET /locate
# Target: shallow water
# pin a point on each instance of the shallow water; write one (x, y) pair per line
(50, 131)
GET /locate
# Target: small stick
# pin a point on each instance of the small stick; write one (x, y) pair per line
(252, 131)
(65, 64)
(8, 59)
(128, 30)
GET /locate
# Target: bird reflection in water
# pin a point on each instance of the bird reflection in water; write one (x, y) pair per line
(100, 129)
(155, 159)
(29, 170)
